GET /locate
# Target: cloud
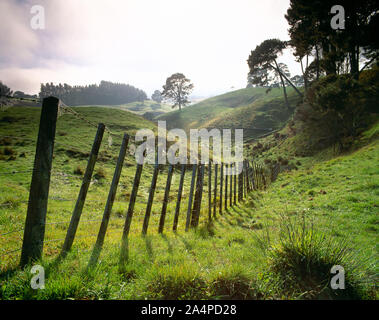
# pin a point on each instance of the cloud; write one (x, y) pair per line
(140, 42)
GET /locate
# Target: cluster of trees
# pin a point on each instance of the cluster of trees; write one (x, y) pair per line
(106, 93)
(334, 45)
(334, 51)
(340, 94)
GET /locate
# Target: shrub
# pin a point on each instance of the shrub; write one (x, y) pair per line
(342, 104)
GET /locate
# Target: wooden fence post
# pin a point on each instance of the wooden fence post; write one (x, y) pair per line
(231, 185)
(179, 199)
(201, 194)
(246, 178)
(235, 183)
(215, 191)
(189, 209)
(240, 183)
(34, 231)
(198, 196)
(226, 185)
(151, 198)
(108, 207)
(210, 191)
(129, 215)
(165, 199)
(221, 185)
(76, 214)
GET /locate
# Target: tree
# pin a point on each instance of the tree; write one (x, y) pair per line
(335, 51)
(4, 90)
(157, 96)
(298, 80)
(177, 89)
(263, 60)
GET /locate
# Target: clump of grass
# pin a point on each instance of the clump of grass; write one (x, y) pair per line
(7, 151)
(100, 174)
(303, 259)
(178, 282)
(11, 202)
(79, 171)
(6, 141)
(232, 283)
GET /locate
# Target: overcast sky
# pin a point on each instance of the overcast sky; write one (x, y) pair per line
(140, 42)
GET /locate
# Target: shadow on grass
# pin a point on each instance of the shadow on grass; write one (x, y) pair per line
(169, 245)
(149, 248)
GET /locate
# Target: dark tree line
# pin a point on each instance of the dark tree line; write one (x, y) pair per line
(106, 93)
(334, 51)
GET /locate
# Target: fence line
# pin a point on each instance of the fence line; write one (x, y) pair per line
(248, 180)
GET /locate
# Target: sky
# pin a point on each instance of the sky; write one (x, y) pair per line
(139, 42)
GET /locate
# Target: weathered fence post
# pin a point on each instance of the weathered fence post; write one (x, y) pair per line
(151, 198)
(34, 233)
(248, 176)
(198, 196)
(108, 207)
(165, 199)
(179, 199)
(231, 186)
(188, 218)
(235, 184)
(221, 185)
(76, 214)
(210, 191)
(226, 185)
(240, 183)
(129, 215)
(215, 191)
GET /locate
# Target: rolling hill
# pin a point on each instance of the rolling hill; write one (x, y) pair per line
(252, 109)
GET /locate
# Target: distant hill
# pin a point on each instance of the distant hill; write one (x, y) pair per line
(141, 108)
(252, 109)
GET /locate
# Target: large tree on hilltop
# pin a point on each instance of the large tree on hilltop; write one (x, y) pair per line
(177, 89)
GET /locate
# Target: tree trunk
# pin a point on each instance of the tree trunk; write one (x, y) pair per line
(317, 64)
(283, 84)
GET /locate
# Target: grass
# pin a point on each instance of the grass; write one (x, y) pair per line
(230, 258)
(140, 108)
(252, 109)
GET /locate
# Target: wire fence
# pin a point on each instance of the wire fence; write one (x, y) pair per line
(142, 199)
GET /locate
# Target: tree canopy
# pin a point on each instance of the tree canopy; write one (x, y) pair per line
(157, 96)
(335, 51)
(177, 90)
(106, 93)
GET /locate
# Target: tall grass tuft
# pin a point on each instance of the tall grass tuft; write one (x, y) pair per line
(303, 257)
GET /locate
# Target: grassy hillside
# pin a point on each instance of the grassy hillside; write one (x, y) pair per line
(74, 138)
(247, 253)
(252, 109)
(140, 107)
